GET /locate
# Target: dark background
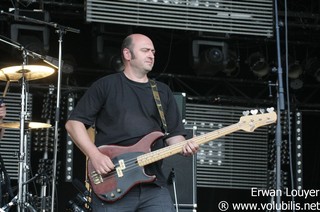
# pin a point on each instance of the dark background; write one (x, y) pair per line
(174, 67)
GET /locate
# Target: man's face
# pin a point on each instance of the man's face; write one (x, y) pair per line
(142, 55)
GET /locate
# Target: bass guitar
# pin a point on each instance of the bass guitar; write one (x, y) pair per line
(129, 161)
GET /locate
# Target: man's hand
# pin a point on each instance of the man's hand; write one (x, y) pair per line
(101, 163)
(190, 148)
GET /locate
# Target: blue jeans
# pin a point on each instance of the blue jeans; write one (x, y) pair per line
(141, 198)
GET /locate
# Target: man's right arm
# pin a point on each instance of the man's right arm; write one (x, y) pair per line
(78, 133)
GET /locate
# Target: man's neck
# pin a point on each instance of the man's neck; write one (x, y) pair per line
(137, 77)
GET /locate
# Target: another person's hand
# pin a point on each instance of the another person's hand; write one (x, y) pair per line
(3, 111)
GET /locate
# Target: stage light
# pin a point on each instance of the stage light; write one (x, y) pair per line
(69, 64)
(194, 3)
(211, 57)
(113, 59)
(295, 70)
(296, 84)
(108, 55)
(258, 64)
(298, 151)
(69, 144)
(312, 68)
(231, 64)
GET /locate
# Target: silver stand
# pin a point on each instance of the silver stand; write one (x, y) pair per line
(55, 150)
(22, 197)
(22, 154)
(280, 107)
(60, 30)
(173, 179)
(22, 203)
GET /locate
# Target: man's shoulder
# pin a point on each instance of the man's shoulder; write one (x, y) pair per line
(109, 78)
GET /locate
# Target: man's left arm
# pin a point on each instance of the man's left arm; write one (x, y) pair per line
(188, 149)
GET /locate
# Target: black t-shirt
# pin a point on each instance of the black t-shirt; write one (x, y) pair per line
(123, 111)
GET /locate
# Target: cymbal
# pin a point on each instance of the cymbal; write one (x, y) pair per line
(31, 72)
(31, 125)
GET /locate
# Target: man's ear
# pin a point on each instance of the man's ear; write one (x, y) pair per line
(126, 54)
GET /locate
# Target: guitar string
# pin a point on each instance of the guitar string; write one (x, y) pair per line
(130, 164)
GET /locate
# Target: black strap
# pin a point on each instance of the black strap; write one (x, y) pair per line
(159, 105)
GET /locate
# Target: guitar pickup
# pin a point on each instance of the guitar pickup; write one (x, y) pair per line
(121, 167)
(119, 172)
(97, 178)
(122, 164)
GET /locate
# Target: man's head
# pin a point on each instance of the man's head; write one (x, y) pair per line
(138, 53)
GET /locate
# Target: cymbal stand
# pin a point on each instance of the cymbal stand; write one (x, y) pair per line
(21, 198)
(23, 152)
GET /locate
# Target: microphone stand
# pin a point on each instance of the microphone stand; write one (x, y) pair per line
(280, 106)
(61, 30)
(57, 117)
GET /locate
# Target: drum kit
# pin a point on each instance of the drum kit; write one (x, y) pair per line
(15, 74)
(24, 73)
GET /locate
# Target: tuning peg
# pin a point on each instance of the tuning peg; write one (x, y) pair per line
(262, 111)
(270, 109)
(254, 112)
(245, 113)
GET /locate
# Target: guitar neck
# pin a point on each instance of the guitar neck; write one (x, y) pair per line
(160, 154)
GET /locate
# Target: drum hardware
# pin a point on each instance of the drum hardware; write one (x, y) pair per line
(30, 72)
(28, 125)
(21, 200)
(60, 30)
(5, 184)
(23, 73)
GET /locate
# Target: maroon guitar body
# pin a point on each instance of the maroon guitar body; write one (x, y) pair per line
(127, 173)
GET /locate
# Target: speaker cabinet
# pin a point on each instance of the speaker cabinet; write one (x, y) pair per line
(181, 174)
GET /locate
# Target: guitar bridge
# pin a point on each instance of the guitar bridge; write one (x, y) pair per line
(97, 178)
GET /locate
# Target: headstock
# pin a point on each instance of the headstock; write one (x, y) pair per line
(249, 123)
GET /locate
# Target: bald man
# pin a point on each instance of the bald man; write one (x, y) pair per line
(122, 108)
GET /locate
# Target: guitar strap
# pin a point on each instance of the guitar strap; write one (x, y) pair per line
(159, 105)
